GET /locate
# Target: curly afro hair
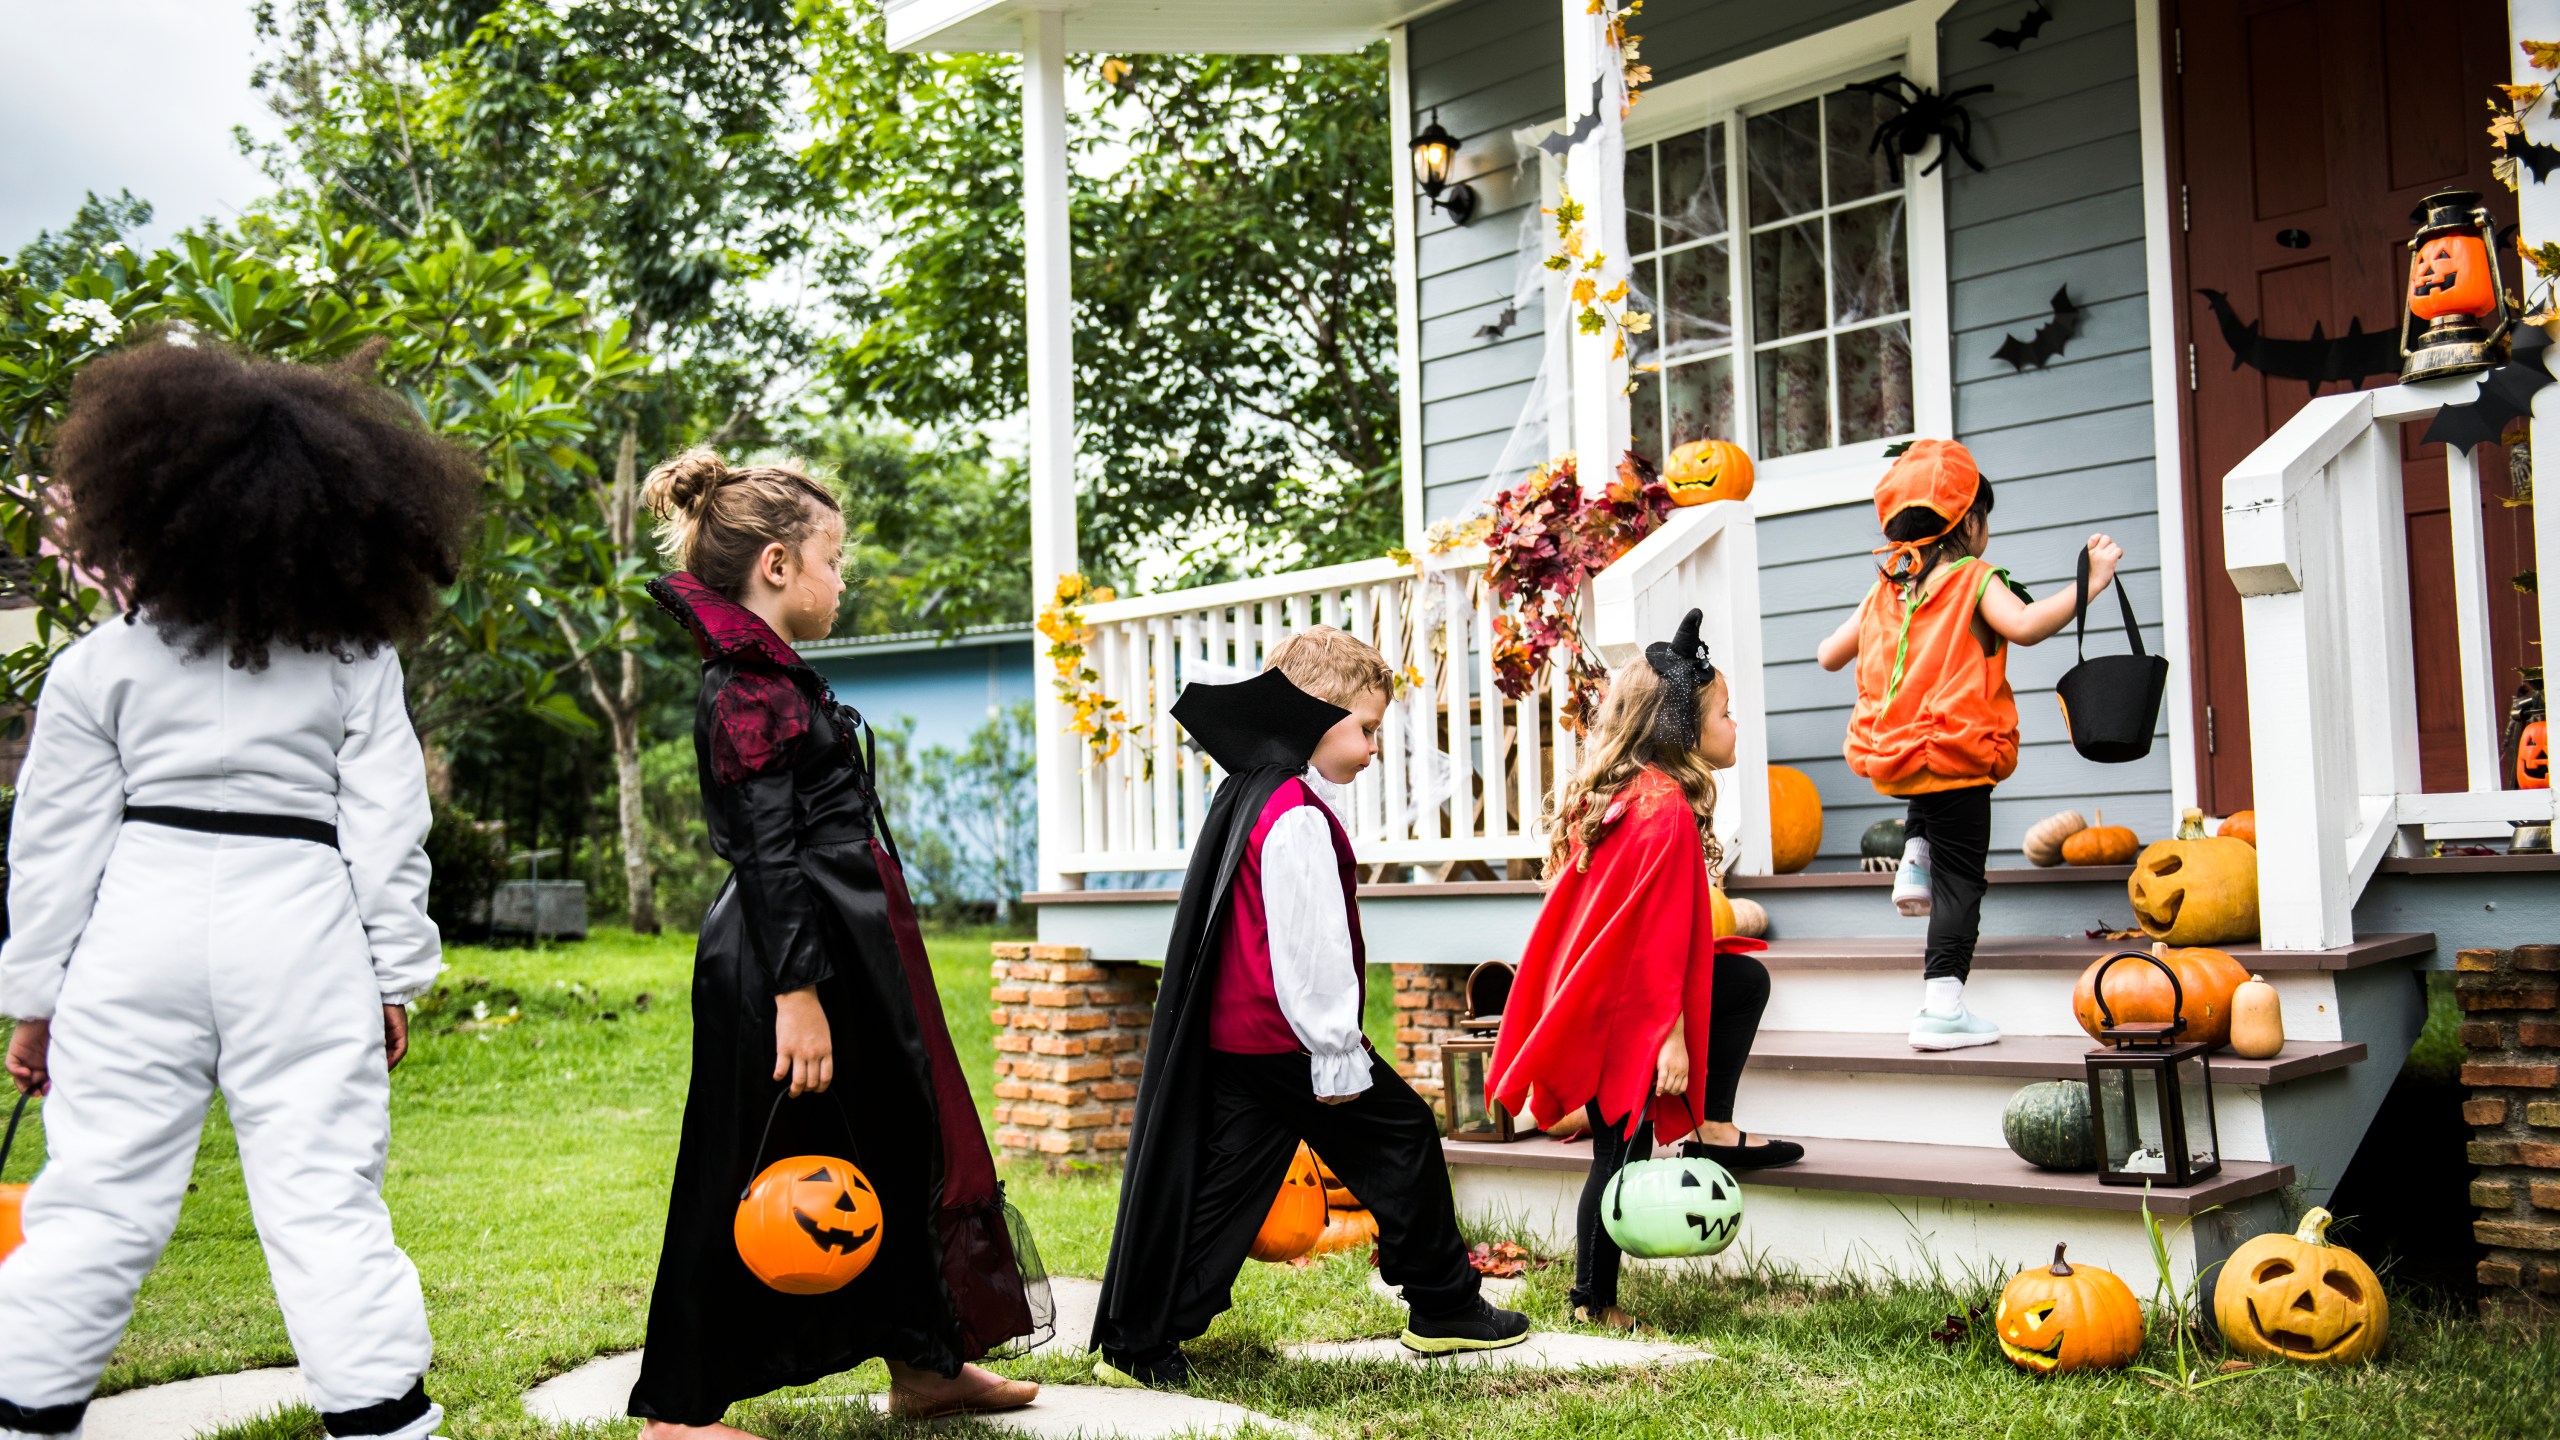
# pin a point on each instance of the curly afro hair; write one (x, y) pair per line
(247, 504)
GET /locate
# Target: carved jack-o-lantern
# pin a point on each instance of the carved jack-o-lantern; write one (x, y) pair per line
(2533, 756)
(1297, 1217)
(808, 1225)
(2068, 1317)
(2451, 275)
(2298, 1297)
(2200, 891)
(1705, 470)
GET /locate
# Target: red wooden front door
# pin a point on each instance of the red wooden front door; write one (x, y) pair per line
(2303, 132)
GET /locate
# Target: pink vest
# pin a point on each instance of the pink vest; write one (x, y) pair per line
(1245, 1018)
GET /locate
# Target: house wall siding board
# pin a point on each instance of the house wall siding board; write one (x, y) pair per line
(2070, 445)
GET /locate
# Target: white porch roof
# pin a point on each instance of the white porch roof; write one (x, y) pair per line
(1162, 27)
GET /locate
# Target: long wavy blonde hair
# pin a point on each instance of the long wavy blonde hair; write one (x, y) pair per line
(1620, 746)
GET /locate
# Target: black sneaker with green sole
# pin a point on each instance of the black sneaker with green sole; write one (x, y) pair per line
(1478, 1327)
(1170, 1370)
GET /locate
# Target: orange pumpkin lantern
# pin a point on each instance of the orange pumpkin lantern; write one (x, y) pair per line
(1705, 470)
(2457, 321)
(1297, 1215)
(2451, 275)
(809, 1224)
(2533, 757)
(2206, 982)
(2062, 1316)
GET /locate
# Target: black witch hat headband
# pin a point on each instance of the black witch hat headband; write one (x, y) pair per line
(1685, 670)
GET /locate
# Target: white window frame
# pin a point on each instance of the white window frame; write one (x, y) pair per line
(1905, 40)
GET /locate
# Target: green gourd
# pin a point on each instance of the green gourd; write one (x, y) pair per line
(1883, 841)
(1656, 1209)
(2048, 1124)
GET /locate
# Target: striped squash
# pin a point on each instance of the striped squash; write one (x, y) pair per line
(2048, 1124)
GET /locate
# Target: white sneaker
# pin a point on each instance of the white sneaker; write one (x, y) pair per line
(1911, 880)
(1932, 1031)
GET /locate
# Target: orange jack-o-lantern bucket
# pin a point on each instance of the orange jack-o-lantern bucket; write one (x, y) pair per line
(2451, 275)
(2533, 756)
(807, 1224)
(12, 1197)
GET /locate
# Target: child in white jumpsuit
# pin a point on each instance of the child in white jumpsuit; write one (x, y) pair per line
(216, 869)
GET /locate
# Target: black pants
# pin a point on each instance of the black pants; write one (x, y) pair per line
(1957, 825)
(1385, 1146)
(1740, 993)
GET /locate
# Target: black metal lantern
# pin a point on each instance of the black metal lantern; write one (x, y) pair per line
(1434, 151)
(1466, 1110)
(2150, 1096)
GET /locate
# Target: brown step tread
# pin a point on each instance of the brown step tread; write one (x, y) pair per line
(1880, 879)
(1947, 1172)
(2019, 1057)
(2050, 952)
(1739, 884)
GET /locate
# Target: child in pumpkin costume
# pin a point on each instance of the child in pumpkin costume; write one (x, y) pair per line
(1257, 1041)
(810, 978)
(217, 875)
(1628, 1008)
(1935, 724)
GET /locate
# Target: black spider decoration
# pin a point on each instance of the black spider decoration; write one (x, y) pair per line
(1924, 117)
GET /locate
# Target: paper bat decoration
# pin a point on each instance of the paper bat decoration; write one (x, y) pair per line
(1557, 145)
(2506, 393)
(2029, 26)
(2348, 359)
(2049, 339)
(1501, 325)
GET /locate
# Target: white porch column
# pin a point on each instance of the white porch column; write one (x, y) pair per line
(1596, 172)
(2538, 210)
(1049, 334)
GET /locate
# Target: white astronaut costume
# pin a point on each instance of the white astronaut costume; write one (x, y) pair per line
(173, 960)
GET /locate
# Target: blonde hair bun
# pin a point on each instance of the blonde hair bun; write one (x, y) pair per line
(683, 485)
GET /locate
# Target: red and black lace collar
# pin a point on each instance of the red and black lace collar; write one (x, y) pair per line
(723, 628)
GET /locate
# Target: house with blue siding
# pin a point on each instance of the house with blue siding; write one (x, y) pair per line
(2131, 252)
(942, 686)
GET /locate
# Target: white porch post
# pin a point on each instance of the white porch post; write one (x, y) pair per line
(1595, 171)
(1050, 342)
(2538, 211)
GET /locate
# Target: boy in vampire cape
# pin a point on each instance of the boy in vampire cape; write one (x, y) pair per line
(1257, 1042)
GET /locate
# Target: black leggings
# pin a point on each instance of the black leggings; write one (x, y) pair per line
(1957, 825)
(1741, 992)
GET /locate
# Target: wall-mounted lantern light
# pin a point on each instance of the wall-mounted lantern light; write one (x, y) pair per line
(1434, 150)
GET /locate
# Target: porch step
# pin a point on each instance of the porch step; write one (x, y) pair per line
(2018, 1057)
(1946, 1172)
(2045, 952)
(1869, 1208)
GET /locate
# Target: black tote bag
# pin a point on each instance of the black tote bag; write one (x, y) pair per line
(2111, 704)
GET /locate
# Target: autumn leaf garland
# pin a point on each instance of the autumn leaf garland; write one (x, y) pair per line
(1548, 539)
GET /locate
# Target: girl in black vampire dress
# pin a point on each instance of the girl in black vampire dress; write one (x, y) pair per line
(811, 979)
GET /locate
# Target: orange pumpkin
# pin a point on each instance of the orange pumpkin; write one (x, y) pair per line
(1795, 820)
(2100, 844)
(2533, 756)
(1705, 470)
(2207, 980)
(2068, 1317)
(2451, 275)
(1347, 1230)
(809, 1224)
(2300, 1297)
(2197, 889)
(1297, 1215)
(2242, 827)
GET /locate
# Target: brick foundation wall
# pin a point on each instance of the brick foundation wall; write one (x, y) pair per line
(2510, 1001)
(1071, 1037)
(1430, 999)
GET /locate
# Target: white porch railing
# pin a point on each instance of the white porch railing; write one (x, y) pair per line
(2315, 538)
(1465, 772)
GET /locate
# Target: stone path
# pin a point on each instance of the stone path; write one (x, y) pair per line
(1543, 1350)
(186, 1408)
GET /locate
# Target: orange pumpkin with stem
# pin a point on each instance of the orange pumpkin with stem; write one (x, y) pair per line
(2299, 1297)
(2059, 1317)
(1705, 470)
(2100, 844)
(1795, 819)
(2207, 980)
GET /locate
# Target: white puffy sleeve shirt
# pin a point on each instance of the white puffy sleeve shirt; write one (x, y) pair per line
(1313, 972)
(129, 719)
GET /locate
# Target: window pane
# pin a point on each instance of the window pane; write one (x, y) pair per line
(1785, 161)
(1698, 306)
(1640, 200)
(1849, 121)
(1788, 289)
(1701, 400)
(1693, 185)
(1795, 400)
(1875, 383)
(1871, 274)
(1644, 418)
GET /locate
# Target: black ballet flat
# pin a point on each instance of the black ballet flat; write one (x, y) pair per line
(1762, 1156)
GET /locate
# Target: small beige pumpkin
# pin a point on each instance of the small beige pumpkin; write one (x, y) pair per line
(1750, 918)
(2044, 838)
(2257, 1020)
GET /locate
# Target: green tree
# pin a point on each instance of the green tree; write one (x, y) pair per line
(1235, 332)
(934, 539)
(52, 258)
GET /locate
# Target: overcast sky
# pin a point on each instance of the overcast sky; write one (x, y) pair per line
(138, 95)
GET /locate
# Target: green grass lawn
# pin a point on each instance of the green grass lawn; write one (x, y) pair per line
(528, 1178)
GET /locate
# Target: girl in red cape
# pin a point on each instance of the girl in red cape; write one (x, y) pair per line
(1624, 978)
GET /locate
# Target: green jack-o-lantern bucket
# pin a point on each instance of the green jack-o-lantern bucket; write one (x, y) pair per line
(1656, 1209)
